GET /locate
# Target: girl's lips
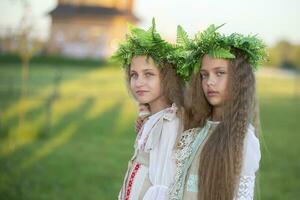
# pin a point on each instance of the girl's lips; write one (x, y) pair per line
(140, 92)
(212, 93)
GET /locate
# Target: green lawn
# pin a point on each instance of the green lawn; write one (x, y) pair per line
(84, 153)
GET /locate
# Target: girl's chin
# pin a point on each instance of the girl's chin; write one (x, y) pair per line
(213, 102)
(141, 100)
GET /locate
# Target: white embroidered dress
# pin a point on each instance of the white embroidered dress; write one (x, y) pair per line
(187, 156)
(156, 140)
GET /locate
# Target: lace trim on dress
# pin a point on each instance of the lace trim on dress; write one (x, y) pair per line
(183, 152)
(245, 190)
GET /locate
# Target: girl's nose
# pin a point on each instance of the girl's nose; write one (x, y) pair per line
(140, 82)
(211, 80)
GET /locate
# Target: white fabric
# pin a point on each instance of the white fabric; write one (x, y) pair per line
(162, 164)
(251, 158)
(142, 173)
(152, 120)
(251, 154)
(157, 192)
(139, 178)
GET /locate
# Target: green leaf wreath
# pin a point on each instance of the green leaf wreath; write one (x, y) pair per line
(149, 43)
(217, 45)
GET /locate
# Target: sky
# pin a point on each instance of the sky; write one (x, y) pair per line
(272, 20)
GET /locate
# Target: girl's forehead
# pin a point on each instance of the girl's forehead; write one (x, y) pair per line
(209, 63)
(143, 63)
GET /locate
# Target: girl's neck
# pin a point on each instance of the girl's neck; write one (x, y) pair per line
(157, 106)
(217, 113)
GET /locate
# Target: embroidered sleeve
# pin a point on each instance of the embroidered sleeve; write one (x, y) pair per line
(251, 158)
(245, 190)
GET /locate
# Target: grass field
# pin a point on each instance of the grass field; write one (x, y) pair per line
(81, 151)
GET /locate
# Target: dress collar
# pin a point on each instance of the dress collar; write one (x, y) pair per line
(214, 123)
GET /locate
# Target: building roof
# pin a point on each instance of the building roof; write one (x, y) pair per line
(64, 10)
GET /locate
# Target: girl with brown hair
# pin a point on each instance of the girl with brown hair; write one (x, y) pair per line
(153, 80)
(218, 155)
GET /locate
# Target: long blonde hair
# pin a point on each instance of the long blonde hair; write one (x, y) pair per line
(221, 156)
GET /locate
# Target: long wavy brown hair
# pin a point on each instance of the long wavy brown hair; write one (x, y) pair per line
(221, 156)
(172, 85)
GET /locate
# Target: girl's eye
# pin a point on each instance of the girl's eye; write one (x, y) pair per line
(203, 76)
(148, 74)
(133, 75)
(220, 73)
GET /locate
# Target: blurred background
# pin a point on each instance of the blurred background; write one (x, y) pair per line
(66, 119)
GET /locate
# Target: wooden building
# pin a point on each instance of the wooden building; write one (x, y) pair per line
(89, 28)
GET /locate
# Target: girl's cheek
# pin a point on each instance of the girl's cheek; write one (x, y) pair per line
(132, 84)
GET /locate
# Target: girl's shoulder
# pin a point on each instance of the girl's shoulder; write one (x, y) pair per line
(251, 140)
(187, 137)
(171, 113)
(251, 153)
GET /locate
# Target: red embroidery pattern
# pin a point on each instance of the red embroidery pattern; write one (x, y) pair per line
(132, 175)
